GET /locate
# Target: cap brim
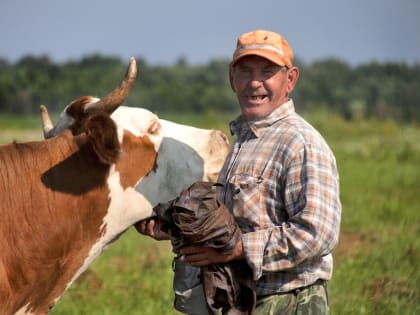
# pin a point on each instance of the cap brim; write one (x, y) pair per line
(269, 55)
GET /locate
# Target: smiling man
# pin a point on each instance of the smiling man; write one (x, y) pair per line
(280, 182)
(285, 184)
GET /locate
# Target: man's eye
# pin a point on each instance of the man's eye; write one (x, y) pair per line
(268, 71)
(244, 72)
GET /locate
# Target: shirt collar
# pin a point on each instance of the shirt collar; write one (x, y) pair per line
(238, 126)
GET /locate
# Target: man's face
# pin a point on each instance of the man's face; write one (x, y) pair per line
(261, 86)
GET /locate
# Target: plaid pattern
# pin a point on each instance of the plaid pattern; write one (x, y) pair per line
(282, 187)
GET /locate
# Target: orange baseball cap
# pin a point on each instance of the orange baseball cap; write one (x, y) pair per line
(266, 44)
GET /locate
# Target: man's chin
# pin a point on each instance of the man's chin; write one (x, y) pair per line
(253, 113)
(253, 116)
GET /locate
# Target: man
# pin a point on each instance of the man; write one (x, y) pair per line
(284, 181)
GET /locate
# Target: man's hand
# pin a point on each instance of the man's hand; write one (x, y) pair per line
(151, 227)
(202, 256)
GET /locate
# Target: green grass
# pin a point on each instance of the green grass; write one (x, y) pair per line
(376, 263)
(131, 277)
(17, 122)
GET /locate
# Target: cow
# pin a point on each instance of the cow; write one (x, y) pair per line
(102, 168)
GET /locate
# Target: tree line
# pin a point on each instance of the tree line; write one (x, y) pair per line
(373, 90)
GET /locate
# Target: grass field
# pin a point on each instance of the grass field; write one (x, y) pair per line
(376, 268)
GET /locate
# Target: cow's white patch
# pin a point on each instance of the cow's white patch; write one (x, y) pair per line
(127, 206)
(139, 122)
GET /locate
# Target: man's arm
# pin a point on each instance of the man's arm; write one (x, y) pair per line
(199, 256)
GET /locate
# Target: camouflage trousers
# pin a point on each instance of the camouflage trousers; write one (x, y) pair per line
(312, 300)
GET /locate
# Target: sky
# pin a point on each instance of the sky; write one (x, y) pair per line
(161, 32)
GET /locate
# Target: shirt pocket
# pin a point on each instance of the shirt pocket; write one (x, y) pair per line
(245, 198)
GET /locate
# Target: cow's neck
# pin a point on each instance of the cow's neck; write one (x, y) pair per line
(63, 229)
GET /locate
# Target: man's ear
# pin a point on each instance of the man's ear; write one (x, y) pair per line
(292, 78)
(231, 78)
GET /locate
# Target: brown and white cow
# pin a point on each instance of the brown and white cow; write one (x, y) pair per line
(65, 199)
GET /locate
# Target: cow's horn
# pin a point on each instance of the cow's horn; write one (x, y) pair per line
(47, 125)
(114, 99)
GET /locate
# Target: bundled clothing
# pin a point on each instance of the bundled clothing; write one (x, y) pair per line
(197, 218)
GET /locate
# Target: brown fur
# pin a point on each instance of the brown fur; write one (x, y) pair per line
(102, 133)
(140, 161)
(53, 198)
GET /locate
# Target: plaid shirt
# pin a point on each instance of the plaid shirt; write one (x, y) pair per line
(283, 190)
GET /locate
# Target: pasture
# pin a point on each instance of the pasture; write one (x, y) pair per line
(376, 268)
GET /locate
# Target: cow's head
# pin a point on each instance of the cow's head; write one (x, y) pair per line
(184, 154)
(78, 111)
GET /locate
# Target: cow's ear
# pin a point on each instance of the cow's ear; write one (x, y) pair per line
(102, 133)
